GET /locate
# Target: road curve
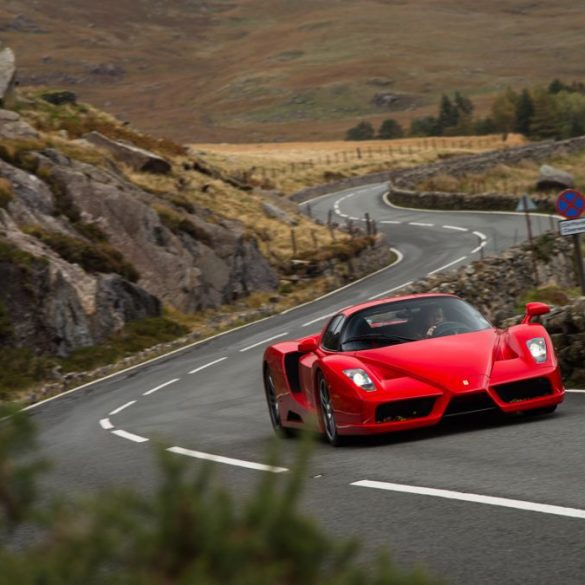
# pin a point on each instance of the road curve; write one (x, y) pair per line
(477, 501)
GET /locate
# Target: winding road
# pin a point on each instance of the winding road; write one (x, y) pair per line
(474, 501)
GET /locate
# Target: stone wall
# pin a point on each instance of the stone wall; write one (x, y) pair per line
(457, 167)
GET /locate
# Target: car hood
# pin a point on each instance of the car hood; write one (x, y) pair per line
(459, 363)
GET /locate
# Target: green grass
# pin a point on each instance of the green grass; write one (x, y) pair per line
(552, 295)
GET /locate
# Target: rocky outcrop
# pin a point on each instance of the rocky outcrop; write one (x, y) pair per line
(58, 205)
(59, 98)
(7, 74)
(551, 178)
(136, 158)
(12, 127)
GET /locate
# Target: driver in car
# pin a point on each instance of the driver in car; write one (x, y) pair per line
(429, 319)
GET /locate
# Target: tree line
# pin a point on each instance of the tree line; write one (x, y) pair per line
(556, 111)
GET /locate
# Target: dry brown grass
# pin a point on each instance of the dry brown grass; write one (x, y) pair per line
(290, 167)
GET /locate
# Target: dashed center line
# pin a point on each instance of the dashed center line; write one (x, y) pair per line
(264, 341)
(106, 424)
(121, 408)
(480, 235)
(448, 265)
(148, 392)
(323, 317)
(129, 436)
(454, 227)
(387, 292)
(420, 224)
(476, 498)
(226, 460)
(221, 359)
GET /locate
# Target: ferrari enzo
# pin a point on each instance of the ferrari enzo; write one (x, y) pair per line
(408, 362)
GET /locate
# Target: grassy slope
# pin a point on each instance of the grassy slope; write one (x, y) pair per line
(252, 70)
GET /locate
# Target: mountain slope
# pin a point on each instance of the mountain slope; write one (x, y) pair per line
(250, 70)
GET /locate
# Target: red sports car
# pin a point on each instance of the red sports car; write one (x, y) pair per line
(407, 362)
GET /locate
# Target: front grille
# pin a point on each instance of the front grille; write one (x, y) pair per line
(476, 402)
(404, 409)
(524, 390)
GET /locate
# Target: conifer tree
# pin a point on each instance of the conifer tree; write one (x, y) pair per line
(524, 113)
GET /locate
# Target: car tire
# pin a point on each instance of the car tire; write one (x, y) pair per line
(273, 406)
(327, 413)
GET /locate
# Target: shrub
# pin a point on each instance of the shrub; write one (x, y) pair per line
(362, 131)
(190, 530)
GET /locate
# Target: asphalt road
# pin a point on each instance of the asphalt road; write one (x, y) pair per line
(524, 521)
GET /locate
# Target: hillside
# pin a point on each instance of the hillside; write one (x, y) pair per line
(112, 241)
(266, 70)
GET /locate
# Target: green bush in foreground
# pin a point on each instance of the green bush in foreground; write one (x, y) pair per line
(189, 530)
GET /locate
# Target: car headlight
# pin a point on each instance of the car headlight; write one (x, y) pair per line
(360, 378)
(537, 348)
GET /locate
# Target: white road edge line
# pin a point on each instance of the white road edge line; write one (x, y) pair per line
(475, 498)
(576, 391)
(148, 392)
(387, 292)
(319, 319)
(226, 460)
(455, 227)
(480, 235)
(106, 424)
(448, 265)
(264, 341)
(130, 436)
(121, 408)
(208, 365)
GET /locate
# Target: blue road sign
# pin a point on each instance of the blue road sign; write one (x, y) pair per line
(570, 204)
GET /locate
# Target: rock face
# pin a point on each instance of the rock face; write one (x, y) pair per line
(12, 127)
(56, 305)
(551, 178)
(7, 73)
(137, 158)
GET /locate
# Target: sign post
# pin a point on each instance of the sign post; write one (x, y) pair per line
(571, 204)
(527, 205)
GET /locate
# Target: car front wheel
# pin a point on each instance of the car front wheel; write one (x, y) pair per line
(327, 413)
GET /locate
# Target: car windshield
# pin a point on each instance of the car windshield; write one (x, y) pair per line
(410, 320)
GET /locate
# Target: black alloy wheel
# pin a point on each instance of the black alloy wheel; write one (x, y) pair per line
(327, 413)
(273, 406)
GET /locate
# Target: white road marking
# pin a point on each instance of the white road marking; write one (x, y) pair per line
(480, 235)
(417, 223)
(479, 247)
(454, 227)
(148, 392)
(448, 265)
(208, 365)
(475, 498)
(226, 460)
(106, 424)
(389, 221)
(387, 292)
(130, 436)
(121, 408)
(576, 391)
(319, 319)
(264, 341)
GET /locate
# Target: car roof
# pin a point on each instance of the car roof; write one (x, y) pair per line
(347, 311)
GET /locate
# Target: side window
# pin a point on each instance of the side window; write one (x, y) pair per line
(331, 336)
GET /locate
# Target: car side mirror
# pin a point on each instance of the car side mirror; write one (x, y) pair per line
(534, 309)
(308, 345)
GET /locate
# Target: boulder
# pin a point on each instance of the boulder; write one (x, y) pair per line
(12, 127)
(138, 158)
(7, 73)
(551, 178)
(275, 212)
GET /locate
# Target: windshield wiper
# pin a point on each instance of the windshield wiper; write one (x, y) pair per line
(379, 337)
